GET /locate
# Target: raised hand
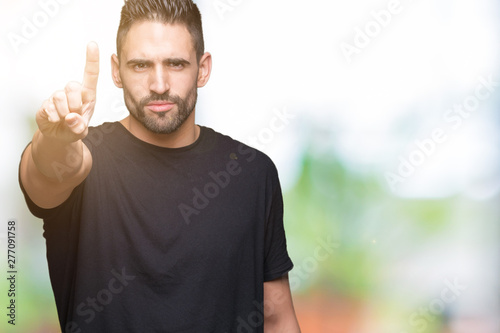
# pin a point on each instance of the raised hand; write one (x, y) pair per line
(66, 114)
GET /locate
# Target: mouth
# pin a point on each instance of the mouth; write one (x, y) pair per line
(160, 106)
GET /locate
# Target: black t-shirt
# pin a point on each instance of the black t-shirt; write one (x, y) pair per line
(166, 240)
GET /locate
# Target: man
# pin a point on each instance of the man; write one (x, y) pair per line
(155, 224)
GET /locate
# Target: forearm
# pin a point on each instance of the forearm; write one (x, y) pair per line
(279, 315)
(283, 324)
(57, 160)
(50, 170)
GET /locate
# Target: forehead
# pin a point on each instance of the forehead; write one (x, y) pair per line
(149, 39)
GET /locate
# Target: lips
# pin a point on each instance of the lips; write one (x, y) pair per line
(160, 106)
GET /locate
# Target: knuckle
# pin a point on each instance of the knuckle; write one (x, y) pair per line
(59, 96)
(44, 105)
(73, 86)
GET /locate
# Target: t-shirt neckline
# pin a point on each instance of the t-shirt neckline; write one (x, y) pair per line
(147, 145)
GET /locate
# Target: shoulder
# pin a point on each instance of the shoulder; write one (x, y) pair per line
(108, 132)
(240, 152)
(240, 149)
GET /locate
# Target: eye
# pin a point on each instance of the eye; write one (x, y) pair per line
(140, 66)
(176, 64)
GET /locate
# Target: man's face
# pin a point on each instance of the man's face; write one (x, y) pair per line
(158, 72)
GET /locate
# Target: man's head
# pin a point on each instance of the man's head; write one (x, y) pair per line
(160, 62)
(183, 12)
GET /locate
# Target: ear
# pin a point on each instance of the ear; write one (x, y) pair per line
(115, 71)
(205, 69)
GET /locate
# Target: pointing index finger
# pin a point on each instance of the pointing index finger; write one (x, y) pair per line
(91, 73)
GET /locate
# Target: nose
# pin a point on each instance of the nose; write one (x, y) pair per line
(159, 81)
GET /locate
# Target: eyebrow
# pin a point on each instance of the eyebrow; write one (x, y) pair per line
(181, 61)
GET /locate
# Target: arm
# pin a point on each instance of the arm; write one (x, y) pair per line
(46, 172)
(279, 314)
(57, 160)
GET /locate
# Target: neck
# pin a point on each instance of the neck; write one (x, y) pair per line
(186, 135)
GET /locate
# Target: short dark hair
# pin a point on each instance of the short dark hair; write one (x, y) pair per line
(164, 11)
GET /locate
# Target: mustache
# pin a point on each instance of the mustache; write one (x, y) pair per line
(160, 97)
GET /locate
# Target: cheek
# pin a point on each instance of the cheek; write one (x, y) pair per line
(185, 84)
(135, 89)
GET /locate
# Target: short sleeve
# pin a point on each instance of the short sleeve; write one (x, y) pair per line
(277, 261)
(37, 211)
(33, 208)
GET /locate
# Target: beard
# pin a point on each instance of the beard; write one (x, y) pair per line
(162, 122)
